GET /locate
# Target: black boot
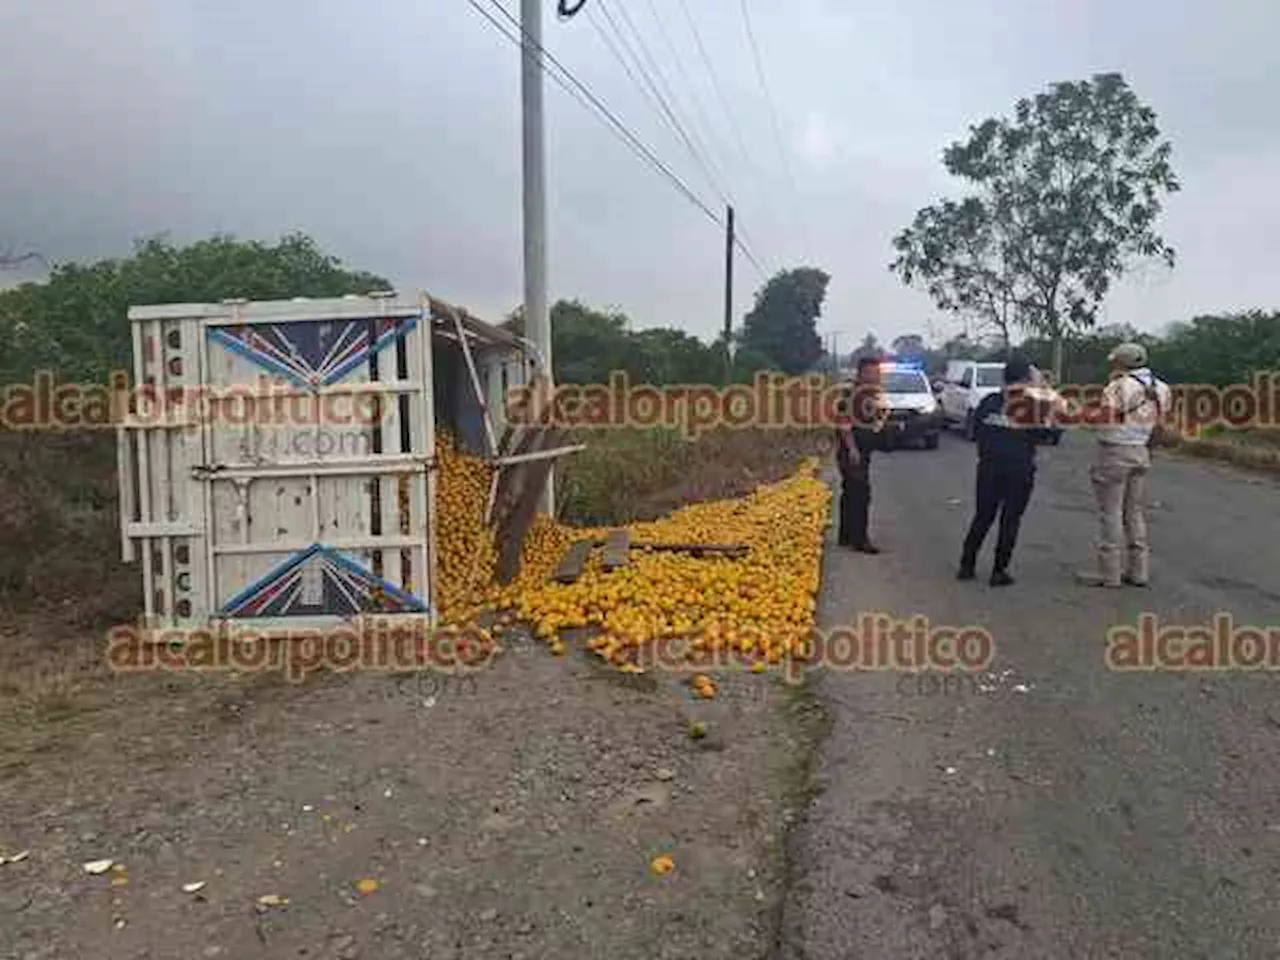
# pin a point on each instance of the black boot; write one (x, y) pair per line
(1001, 578)
(966, 571)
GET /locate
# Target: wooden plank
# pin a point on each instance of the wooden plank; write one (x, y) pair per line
(732, 550)
(573, 561)
(145, 514)
(166, 443)
(389, 505)
(510, 480)
(512, 531)
(512, 540)
(617, 549)
(540, 455)
(475, 384)
(423, 515)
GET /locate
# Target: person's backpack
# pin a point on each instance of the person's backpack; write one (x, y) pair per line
(1151, 394)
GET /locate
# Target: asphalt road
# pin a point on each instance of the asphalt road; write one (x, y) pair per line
(1055, 808)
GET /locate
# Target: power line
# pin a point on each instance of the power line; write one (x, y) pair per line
(652, 93)
(701, 115)
(715, 83)
(723, 100)
(669, 102)
(616, 125)
(773, 114)
(666, 97)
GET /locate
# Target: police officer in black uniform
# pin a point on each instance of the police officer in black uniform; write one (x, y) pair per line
(857, 436)
(1007, 435)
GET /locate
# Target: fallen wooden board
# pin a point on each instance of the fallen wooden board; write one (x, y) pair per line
(514, 525)
(617, 547)
(732, 550)
(511, 478)
(573, 561)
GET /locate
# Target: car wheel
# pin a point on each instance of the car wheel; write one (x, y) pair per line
(931, 442)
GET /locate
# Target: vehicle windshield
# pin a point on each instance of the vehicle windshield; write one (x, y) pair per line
(990, 376)
(904, 381)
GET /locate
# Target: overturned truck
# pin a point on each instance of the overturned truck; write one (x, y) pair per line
(277, 463)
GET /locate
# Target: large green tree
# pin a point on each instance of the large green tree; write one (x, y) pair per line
(588, 345)
(956, 251)
(1065, 195)
(76, 322)
(1221, 350)
(783, 323)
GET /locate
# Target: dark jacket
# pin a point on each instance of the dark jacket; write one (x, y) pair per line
(1003, 442)
(857, 405)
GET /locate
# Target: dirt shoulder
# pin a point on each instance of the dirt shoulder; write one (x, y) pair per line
(513, 816)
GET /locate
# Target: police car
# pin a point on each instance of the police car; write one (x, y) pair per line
(911, 409)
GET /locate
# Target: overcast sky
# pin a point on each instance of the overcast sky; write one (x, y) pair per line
(390, 131)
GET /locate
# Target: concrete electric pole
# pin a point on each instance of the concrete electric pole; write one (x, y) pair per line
(537, 321)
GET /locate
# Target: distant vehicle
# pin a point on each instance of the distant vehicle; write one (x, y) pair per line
(914, 412)
(964, 385)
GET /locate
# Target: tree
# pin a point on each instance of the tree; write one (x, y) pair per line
(955, 251)
(76, 322)
(783, 323)
(668, 356)
(909, 344)
(869, 347)
(1221, 350)
(588, 345)
(747, 362)
(1067, 193)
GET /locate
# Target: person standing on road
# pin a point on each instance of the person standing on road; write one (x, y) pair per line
(1006, 471)
(857, 436)
(1133, 404)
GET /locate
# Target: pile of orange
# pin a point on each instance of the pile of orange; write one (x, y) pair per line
(760, 607)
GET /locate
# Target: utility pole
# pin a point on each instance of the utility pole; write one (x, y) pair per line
(728, 298)
(537, 322)
(835, 351)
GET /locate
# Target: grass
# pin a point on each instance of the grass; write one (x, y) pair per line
(1256, 449)
(628, 475)
(59, 523)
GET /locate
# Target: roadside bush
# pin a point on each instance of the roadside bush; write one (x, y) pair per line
(59, 526)
(631, 474)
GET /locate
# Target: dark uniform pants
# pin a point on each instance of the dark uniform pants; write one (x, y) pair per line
(855, 500)
(1001, 490)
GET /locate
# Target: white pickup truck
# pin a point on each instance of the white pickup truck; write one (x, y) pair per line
(963, 387)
